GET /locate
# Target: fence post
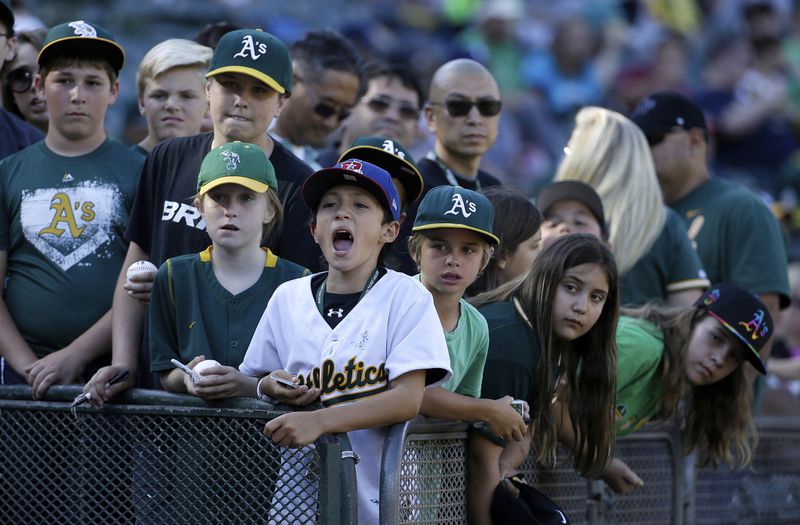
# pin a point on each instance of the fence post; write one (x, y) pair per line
(330, 487)
(349, 492)
(390, 473)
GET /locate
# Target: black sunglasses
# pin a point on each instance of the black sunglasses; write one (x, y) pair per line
(459, 108)
(381, 104)
(322, 108)
(20, 80)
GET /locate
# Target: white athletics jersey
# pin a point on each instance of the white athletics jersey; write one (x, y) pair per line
(393, 330)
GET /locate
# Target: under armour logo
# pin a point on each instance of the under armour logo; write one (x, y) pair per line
(352, 165)
(83, 29)
(459, 206)
(249, 48)
(233, 159)
(338, 313)
(388, 145)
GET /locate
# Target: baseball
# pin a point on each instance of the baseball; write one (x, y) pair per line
(140, 267)
(203, 365)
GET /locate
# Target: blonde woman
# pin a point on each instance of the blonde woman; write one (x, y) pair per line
(654, 254)
(171, 86)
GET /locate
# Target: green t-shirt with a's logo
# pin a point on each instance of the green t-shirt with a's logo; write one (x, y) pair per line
(640, 345)
(737, 238)
(62, 221)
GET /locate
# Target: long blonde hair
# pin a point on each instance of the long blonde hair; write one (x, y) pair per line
(610, 153)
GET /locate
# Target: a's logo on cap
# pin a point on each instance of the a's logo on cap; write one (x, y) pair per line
(233, 159)
(711, 297)
(756, 326)
(83, 29)
(388, 145)
(353, 165)
(645, 106)
(459, 206)
(249, 48)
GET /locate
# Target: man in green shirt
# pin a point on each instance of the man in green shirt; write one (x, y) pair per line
(735, 235)
(64, 205)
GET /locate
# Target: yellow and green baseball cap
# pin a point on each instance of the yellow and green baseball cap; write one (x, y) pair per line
(254, 53)
(82, 39)
(456, 207)
(391, 156)
(237, 163)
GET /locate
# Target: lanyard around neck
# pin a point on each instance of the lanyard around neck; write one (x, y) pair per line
(448, 173)
(373, 278)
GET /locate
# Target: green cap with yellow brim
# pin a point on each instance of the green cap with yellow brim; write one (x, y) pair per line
(391, 156)
(237, 163)
(456, 207)
(82, 39)
(257, 54)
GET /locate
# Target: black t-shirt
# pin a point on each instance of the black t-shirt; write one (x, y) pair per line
(433, 175)
(335, 307)
(164, 222)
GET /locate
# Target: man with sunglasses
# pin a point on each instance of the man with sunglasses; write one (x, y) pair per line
(15, 133)
(329, 78)
(463, 113)
(735, 234)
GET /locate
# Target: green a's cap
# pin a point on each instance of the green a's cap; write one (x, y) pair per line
(456, 207)
(237, 163)
(82, 39)
(7, 15)
(254, 53)
(391, 156)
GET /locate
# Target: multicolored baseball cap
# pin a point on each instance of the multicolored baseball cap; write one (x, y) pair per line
(456, 207)
(254, 53)
(7, 15)
(82, 39)
(353, 172)
(743, 314)
(391, 156)
(659, 113)
(237, 163)
(573, 190)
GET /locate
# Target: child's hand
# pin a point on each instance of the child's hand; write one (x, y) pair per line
(57, 368)
(220, 382)
(140, 286)
(97, 385)
(300, 396)
(619, 476)
(504, 421)
(187, 379)
(294, 429)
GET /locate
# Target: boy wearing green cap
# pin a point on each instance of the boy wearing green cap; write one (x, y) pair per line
(451, 243)
(64, 204)
(207, 305)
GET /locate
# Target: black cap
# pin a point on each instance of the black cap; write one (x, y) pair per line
(743, 314)
(576, 191)
(662, 112)
(7, 15)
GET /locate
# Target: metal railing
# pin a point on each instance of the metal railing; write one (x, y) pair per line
(156, 457)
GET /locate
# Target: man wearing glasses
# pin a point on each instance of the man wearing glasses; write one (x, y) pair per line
(463, 113)
(15, 134)
(328, 79)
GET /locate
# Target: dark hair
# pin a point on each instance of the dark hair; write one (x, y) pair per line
(328, 49)
(588, 362)
(400, 71)
(60, 62)
(35, 38)
(516, 220)
(209, 36)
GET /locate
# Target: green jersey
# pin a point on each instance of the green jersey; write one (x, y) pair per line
(640, 345)
(62, 221)
(192, 314)
(467, 345)
(671, 265)
(737, 238)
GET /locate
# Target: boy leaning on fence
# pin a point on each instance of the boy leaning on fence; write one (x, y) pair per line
(363, 339)
(64, 204)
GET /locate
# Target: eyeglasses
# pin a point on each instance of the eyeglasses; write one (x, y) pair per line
(20, 80)
(322, 108)
(460, 107)
(381, 104)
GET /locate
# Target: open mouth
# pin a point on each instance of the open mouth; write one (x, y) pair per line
(230, 227)
(450, 277)
(342, 240)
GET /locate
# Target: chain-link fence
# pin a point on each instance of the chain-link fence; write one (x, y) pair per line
(160, 458)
